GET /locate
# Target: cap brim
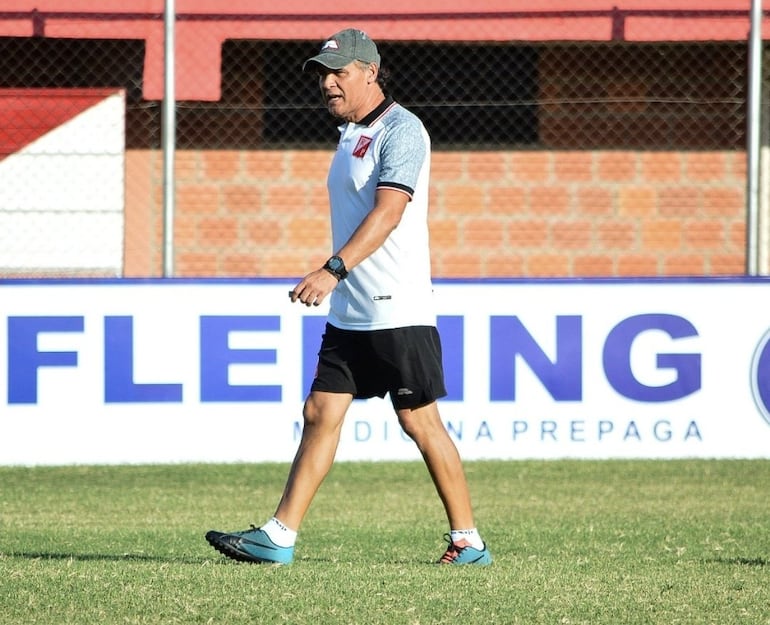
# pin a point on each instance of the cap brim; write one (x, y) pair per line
(329, 60)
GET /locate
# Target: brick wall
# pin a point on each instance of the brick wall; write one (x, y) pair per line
(523, 213)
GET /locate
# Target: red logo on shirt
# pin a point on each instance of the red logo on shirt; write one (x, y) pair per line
(362, 146)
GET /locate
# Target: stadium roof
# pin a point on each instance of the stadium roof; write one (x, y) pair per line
(203, 25)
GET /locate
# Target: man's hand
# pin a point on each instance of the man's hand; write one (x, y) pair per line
(314, 288)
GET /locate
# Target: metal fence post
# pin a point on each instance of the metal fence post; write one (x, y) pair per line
(753, 139)
(168, 138)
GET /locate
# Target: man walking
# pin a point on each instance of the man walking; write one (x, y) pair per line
(380, 337)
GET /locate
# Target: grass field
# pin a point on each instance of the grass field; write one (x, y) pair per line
(591, 542)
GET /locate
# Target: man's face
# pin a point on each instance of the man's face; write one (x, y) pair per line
(346, 91)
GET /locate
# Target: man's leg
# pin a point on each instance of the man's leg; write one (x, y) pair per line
(424, 427)
(323, 416)
(274, 542)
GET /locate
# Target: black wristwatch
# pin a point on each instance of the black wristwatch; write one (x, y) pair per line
(336, 266)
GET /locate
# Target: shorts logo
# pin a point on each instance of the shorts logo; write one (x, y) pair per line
(760, 377)
(362, 146)
(404, 391)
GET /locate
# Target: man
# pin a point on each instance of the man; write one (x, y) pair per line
(381, 335)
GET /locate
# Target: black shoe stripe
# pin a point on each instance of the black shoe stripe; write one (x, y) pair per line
(226, 549)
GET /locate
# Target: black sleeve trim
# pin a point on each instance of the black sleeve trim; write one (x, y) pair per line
(396, 187)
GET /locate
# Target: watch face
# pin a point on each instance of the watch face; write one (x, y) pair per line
(335, 263)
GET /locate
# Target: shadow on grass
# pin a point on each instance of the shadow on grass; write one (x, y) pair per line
(107, 557)
(200, 560)
(141, 557)
(758, 562)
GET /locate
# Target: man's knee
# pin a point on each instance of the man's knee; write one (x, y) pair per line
(321, 410)
(420, 421)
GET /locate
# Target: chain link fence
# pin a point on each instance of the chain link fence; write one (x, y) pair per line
(570, 158)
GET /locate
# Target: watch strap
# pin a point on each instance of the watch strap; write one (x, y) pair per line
(336, 266)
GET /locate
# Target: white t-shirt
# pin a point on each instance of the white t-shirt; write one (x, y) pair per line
(389, 149)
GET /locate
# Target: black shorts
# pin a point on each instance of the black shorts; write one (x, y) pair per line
(405, 362)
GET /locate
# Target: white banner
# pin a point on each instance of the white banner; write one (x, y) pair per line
(62, 186)
(156, 371)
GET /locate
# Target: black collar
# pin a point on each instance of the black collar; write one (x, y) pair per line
(368, 119)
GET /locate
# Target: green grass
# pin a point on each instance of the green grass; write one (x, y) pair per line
(575, 542)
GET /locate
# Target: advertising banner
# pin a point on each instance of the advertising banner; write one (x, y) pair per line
(159, 371)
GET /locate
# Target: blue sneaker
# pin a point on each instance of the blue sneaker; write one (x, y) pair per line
(462, 553)
(252, 545)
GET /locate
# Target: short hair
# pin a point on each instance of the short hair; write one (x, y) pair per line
(383, 75)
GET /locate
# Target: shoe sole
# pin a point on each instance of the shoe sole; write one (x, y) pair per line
(480, 561)
(212, 538)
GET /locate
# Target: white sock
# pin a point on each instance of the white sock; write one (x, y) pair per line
(472, 536)
(279, 533)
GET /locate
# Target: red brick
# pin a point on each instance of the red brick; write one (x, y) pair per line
(264, 232)
(637, 201)
(220, 232)
(444, 234)
(303, 231)
(705, 166)
(142, 236)
(573, 166)
(724, 202)
(661, 166)
(728, 264)
(463, 200)
(506, 200)
(737, 166)
(504, 265)
(220, 164)
(548, 265)
(198, 199)
(617, 166)
(617, 235)
(185, 232)
(594, 202)
(572, 235)
(549, 200)
(460, 265)
(240, 265)
(680, 201)
(266, 165)
(600, 265)
(187, 166)
(447, 166)
(485, 166)
(483, 233)
(684, 265)
(196, 264)
(309, 164)
(242, 199)
(528, 234)
(281, 264)
(530, 166)
(705, 235)
(662, 234)
(637, 265)
(318, 199)
(683, 211)
(286, 199)
(736, 233)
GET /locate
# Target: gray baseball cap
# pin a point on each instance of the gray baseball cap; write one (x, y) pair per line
(343, 48)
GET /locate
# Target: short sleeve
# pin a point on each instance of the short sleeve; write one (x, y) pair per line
(402, 155)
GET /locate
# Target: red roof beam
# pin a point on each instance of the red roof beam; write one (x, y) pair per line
(200, 35)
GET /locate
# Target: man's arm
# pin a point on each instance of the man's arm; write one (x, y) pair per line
(389, 206)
